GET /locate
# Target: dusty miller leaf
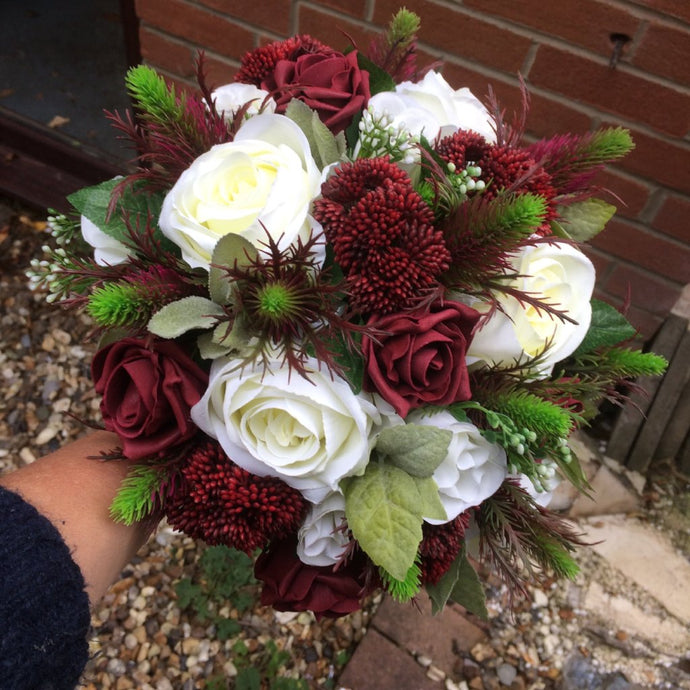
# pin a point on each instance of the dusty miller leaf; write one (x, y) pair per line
(325, 148)
(184, 315)
(229, 249)
(460, 584)
(415, 448)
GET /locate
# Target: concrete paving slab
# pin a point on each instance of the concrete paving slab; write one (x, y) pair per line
(609, 495)
(436, 637)
(666, 635)
(647, 557)
(379, 663)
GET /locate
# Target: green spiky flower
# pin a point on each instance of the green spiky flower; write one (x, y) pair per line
(137, 496)
(153, 97)
(132, 301)
(403, 590)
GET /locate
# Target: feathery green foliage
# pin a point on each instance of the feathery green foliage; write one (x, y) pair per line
(544, 418)
(480, 233)
(403, 590)
(119, 304)
(135, 498)
(403, 28)
(623, 363)
(516, 534)
(153, 97)
(605, 145)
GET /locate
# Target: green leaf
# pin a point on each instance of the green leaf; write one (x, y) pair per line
(229, 249)
(460, 584)
(93, 202)
(227, 628)
(384, 512)
(584, 220)
(608, 327)
(415, 448)
(190, 595)
(379, 79)
(430, 502)
(325, 147)
(184, 315)
(468, 590)
(208, 348)
(248, 679)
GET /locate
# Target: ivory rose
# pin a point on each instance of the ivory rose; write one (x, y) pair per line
(261, 182)
(473, 468)
(273, 422)
(107, 251)
(231, 97)
(431, 107)
(321, 539)
(560, 275)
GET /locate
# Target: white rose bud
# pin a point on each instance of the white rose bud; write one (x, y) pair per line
(231, 97)
(432, 107)
(473, 468)
(107, 250)
(560, 275)
(321, 539)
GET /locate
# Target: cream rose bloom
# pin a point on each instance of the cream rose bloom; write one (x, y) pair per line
(431, 107)
(321, 539)
(473, 468)
(107, 251)
(556, 273)
(261, 182)
(231, 97)
(273, 422)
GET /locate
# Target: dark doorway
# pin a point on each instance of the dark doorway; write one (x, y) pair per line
(61, 65)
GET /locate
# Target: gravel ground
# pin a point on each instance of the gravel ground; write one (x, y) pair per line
(145, 635)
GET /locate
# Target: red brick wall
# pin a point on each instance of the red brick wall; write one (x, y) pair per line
(562, 49)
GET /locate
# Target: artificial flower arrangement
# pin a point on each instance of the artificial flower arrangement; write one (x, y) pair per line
(345, 323)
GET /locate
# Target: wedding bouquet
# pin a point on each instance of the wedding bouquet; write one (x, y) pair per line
(344, 321)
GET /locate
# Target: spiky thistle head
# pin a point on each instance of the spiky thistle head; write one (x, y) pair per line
(289, 305)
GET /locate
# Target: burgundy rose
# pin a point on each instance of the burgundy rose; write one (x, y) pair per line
(290, 585)
(420, 357)
(329, 82)
(148, 389)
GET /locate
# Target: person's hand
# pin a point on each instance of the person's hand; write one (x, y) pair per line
(74, 491)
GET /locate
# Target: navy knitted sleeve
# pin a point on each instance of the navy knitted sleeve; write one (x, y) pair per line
(44, 609)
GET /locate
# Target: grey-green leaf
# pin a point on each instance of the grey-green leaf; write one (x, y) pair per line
(184, 315)
(460, 584)
(325, 148)
(415, 448)
(584, 220)
(383, 509)
(229, 249)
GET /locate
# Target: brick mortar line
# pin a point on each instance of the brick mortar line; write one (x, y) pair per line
(591, 111)
(184, 42)
(524, 32)
(635, 10)
(648, 273)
